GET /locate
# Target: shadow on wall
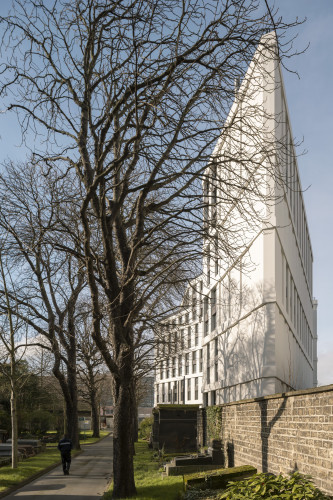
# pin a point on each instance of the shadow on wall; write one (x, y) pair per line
(231, 453)
(266, 428)
(247, 350)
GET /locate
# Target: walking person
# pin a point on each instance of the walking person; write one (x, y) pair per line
(65, 446)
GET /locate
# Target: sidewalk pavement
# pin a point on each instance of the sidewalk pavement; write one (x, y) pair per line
(90, 474)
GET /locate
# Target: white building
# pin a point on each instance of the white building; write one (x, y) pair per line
(248, 325)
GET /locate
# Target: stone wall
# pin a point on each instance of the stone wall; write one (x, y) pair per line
(283, 433)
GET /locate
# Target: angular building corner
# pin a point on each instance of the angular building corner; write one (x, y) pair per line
(247, 327)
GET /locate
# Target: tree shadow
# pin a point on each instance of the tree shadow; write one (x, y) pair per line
(266, 428)
(231, 453)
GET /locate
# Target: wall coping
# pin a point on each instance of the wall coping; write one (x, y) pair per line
(302, 392)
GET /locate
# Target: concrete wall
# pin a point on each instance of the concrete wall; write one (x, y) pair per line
(283, 433)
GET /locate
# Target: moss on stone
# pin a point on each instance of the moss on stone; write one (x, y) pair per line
(219, 478)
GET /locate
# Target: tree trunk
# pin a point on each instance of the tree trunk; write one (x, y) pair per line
(69, 390)
(13, 414)
(123, 433)
(72, 420)
(94, 414)
(135, 420)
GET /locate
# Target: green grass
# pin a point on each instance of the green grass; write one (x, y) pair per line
(150, 484)
(27, 468)
(85, 438)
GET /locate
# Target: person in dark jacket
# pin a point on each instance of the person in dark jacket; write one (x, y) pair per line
(65, 446)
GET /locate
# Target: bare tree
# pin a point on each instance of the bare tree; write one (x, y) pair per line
(47, 282)
(132, 96)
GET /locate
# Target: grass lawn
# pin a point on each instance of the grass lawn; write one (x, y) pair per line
(29, 467)
(85, 437)
(149, 482)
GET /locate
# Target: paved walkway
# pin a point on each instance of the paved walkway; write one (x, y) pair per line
(89, 476)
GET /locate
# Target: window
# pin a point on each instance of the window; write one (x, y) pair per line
(189, 389)
(194, 304)
(216, 347)
(216, 371)
(206, 321)
(213, 208)
(205, 398)
(175, 392)
(196, 334)
(167, 368)
(161, 370)
(163, 393)
(169, 393)
(213, 309)
(196, 388)
(174, 367)
(206, 202)
(200, 360)
(180, 365)
(194, 361)
(182, 339)
(189, 337)
(216, 253)
(182, 390)
(187, 364)
(208, 363)
(157, 393)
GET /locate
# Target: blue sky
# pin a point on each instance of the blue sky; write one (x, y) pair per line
(310, 101)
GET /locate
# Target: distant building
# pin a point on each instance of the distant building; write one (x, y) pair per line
(248, 325)
(145, 400)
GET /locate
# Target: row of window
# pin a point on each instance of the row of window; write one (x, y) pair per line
(176, 392)
(295, 309)
(180, 365)
(184, 338)
(213, 345)
(295, 199)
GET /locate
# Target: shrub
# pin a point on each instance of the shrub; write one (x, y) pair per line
(145, 428)
(261, 486)
(214, 422)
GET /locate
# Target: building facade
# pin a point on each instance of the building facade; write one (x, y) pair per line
(247, 327)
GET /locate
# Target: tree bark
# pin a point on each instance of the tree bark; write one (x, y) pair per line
(94, 414)
(123, 445)
(13, 412)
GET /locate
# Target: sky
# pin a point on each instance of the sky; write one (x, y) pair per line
(310, 102)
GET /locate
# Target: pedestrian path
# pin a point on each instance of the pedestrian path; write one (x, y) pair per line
(89, 476)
